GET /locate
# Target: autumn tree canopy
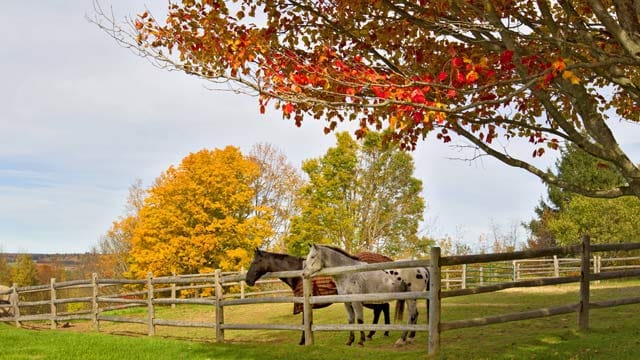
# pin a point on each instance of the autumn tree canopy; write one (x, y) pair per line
(200, 216)
(544, 72)
(24, 272)
(360, 196)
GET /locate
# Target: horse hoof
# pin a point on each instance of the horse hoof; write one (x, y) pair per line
(369, 338)
(360, 344)
(399, 343)
(386, 334)
(348, 343)
(410, 340)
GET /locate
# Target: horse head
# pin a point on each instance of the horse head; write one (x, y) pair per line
(257, 268)
(313, 262)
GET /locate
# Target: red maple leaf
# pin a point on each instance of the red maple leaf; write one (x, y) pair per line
(287, 108)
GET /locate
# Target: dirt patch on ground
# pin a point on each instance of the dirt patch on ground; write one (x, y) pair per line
(80, 326)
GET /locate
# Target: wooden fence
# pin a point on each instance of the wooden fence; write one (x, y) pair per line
(149, 294)
(474, 275)
(584, 277)
(99, 299)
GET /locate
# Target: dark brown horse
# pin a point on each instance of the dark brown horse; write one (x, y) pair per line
(265, 262)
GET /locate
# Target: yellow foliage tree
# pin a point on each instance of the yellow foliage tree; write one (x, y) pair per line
(24, 271)
(199, 216)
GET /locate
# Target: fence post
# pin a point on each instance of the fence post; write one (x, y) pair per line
(556, 266)
(94, 302)
(52, 302)
(150, 309)
(307, 311)
(219, 308)
(583, 315)
(514, 276)
(15, 301)
(446, 281)
(434, 301)
(173, 291)
(518, 271)
(481, 276)
(242, 283)
(464, 276)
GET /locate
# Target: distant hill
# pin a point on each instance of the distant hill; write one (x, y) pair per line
(66, 260)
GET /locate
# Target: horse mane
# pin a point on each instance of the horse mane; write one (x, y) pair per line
(337, 249)
(281, 255)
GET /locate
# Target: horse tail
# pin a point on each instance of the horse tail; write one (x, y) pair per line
(399, 310)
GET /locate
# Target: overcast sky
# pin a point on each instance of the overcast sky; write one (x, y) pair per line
(81, 119)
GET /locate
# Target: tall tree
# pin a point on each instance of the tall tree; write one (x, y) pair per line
(54, 269)
(604, 220)
(544, 72)
(5, 271)
(275, 189)
(200, 216)
(360, 196)
(567, 216)
(24, 271)
(114, 246)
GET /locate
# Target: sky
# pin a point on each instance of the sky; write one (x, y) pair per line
(82, 118)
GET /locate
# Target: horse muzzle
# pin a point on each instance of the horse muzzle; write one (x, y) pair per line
(307, 272)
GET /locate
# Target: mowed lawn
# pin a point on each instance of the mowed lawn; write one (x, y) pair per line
(614, 333)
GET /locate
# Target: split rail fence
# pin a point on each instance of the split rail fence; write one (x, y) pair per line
(474, 275)
(101, 301)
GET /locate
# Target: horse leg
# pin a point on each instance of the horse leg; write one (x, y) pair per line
(385, 311)
(350, 316)
(413, 318)
(376, 316)
(357, 307)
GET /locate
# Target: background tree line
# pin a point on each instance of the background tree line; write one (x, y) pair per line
(23, 272)
(30, 269)
(211, 210)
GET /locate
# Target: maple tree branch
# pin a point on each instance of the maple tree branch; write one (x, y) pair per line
(542, 96)
(533, 127)
(437, 27)
(624, 38)
(625, 10)
(547, 177)
(350, 35)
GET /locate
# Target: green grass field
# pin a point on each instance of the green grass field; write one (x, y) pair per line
(614, 333)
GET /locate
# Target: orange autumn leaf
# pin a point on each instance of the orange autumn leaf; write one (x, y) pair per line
(569, 75)
(559, 65)
(288, 108)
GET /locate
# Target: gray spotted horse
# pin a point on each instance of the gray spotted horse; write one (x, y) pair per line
(379, 281)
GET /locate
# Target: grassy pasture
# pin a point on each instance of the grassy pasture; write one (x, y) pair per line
(614, 334)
